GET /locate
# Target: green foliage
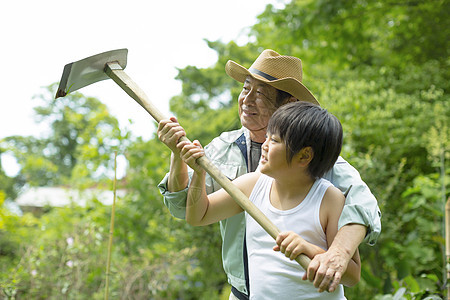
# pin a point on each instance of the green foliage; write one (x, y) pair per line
(78, 147)
(380, 115)
(380, 66)
(63, 253)
(8, 185)
(363, 62)
(351, 33)
(66, 249)
(161, 234)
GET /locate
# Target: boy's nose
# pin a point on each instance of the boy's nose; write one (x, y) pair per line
(265, 145)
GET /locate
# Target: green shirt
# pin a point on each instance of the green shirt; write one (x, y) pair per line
(229, 153)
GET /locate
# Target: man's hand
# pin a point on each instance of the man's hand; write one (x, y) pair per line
(326, 270)
(169, 132)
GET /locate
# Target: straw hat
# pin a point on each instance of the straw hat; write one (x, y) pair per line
(280, 71)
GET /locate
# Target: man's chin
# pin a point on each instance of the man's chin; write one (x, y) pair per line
(252, 126)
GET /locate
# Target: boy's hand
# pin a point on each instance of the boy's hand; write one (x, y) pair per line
(189, 152)
(169, 132)
(290, 243)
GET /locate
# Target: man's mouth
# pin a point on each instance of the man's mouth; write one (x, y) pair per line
(249, 112)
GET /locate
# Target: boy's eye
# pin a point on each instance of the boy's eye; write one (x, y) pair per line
(274, 139)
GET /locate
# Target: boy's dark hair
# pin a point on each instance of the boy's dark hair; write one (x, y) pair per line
(302, 124)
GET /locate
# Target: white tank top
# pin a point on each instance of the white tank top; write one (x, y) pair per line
(272, 275)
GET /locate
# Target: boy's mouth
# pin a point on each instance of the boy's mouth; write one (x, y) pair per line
(263, 158)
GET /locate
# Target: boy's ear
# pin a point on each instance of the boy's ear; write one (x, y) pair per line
(305, 156)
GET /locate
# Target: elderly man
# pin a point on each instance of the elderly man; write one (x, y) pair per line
(271, 81)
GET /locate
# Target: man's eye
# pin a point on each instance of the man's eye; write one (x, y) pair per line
(262, 94)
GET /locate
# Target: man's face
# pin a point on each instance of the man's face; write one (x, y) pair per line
(256, 105)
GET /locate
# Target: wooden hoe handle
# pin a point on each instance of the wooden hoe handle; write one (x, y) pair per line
(116, 73)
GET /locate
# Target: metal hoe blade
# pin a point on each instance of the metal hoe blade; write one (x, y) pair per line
(89, 70)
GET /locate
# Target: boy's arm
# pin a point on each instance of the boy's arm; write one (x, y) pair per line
(360, 220)
(197, 200)
(331, 209)
(203, 209)
(292, 245)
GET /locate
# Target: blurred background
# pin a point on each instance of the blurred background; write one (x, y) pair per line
(382, 67)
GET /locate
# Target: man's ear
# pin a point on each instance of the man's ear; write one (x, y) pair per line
(292, 99)
(305, 156)
(289, 100)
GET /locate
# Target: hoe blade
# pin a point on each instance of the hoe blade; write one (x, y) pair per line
(89, 70)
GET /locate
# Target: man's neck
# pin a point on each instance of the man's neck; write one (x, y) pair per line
(258, 136)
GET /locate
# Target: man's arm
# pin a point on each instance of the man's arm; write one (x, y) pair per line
(178, 174)
(361, 207)
(174, 185)
(326, 269)
(169, 132)
(174, 201)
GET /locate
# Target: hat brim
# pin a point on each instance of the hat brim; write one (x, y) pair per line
(289, 84)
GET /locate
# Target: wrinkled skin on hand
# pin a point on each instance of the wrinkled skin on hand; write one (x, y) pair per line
(169, 132)
(326, 270)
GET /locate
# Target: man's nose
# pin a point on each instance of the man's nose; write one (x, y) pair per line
(250, 97)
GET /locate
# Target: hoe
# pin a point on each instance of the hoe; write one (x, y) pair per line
(111, 64)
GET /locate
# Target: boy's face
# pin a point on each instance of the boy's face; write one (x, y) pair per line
(256, 106)
(273, 156)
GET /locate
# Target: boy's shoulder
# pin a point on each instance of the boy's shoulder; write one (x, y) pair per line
(333, 196)
(247, 182)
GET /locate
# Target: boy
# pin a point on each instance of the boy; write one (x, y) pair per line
(303, 142)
